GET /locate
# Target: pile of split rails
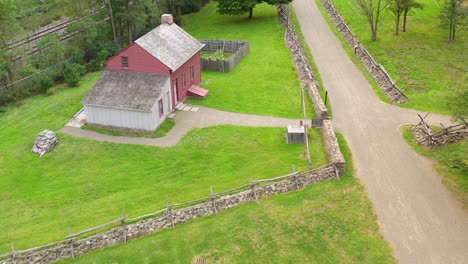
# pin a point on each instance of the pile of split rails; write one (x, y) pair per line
(448, 135)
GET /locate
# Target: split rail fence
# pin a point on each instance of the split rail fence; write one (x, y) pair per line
(377, 71)
(124, 228)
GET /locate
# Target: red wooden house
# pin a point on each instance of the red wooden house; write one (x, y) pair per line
(146, 81)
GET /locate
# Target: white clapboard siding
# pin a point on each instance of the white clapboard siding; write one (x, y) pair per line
(127, 118)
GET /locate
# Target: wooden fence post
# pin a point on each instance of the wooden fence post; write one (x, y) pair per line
(124, 228)
(294, 178)
(337, 171)
(213, 199)
(13, 252)
(252, 187)
(169, 211)
(72, 250)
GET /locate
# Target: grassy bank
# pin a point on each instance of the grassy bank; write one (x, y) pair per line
(451, 163)
(265, 81)
(420, 59)
(330, 222)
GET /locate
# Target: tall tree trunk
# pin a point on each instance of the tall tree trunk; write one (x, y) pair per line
(450, 31)
(251, 12)
(397, 21)
(453, 32)
(111, 17)
(129, 30)
(404, 18)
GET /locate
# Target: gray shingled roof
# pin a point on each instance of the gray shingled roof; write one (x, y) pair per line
(127, 90)
(170, 44)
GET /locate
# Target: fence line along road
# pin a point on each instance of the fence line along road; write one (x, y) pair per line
(376, 70)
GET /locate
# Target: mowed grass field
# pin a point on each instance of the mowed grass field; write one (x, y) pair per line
(330, 222)
(83, 183)
(419, 60)
(265, 81)
(451, 163)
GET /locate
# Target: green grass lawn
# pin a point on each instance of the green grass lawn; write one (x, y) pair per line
(162, 130)
(418, 60)
(265, 81)
(451, 163)
(83, 183)
(330, 222)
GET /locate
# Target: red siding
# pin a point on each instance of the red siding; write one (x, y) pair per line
(185, 68)
(139, 60)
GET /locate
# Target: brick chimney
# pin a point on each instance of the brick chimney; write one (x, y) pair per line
(167, 18)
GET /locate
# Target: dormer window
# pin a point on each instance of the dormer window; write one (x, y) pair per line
(124, 61)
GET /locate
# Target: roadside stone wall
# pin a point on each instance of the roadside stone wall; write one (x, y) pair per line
(377, 71)
(308, 80)
(172, 218)
(302, 63)
(332, 146)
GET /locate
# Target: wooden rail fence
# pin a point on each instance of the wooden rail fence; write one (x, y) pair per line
(124, 228)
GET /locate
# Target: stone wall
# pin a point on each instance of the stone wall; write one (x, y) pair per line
(377, 71)
(215, 203)
(171, 218)
(302, 63)
(308, 80)
(332, 146)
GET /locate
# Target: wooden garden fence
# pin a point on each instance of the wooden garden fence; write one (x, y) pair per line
(241, 49)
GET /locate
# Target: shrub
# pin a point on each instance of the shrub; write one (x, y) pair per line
(97, 63)
(72, 72)
(45, 83)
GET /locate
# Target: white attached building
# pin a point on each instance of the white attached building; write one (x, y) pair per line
(127, 99)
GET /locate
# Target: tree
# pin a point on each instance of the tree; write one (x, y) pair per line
(129, 15)
(51, 51)
(9, 28)
(239, 7)
(402, 7)
(397, 10)
(451, 16)
(372, 9)
(407, 6)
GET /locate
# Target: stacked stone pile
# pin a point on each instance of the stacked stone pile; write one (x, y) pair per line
(45, 142)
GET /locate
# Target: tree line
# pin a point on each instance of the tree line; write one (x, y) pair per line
(104, 28)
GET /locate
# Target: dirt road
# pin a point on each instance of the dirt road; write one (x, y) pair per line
(416, 213)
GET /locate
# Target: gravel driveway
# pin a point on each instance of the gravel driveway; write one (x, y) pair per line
(417, 214)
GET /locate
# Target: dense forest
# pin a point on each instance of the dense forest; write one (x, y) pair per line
(43, 42)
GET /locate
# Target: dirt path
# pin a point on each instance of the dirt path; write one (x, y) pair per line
(416, 213)
(185, 121)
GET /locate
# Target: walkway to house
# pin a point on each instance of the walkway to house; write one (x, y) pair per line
(185, 121)
(417, 214)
